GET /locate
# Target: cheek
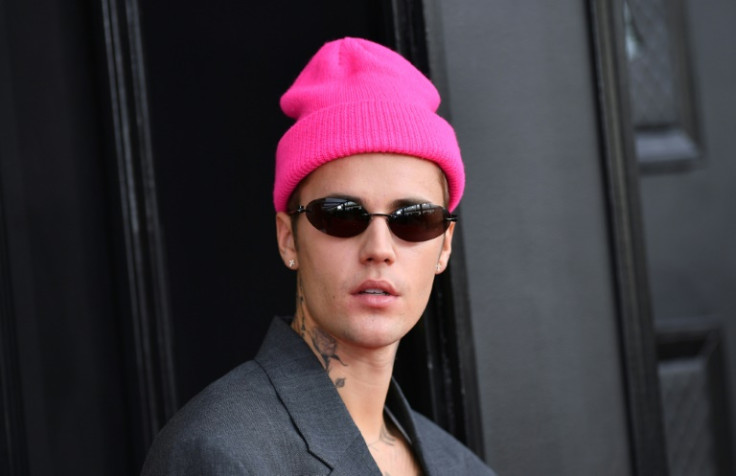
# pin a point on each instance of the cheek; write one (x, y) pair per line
(323, 267)
(422, 274)
(426, 287)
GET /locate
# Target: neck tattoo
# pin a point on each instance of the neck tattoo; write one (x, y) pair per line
(384, 437)
(323, 343)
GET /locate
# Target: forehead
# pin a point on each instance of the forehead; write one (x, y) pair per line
(377, 178)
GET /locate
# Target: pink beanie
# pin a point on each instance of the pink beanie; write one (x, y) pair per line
(355, 96)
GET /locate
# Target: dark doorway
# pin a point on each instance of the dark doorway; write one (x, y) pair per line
(215, 77)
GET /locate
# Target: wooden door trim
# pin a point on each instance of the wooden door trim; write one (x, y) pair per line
(635, 321)
(143, 282)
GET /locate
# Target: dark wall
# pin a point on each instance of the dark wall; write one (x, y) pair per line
(56, 208)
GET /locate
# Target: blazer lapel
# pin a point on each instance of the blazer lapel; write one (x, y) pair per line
(356, 460)
(433, 457)
(311, 399)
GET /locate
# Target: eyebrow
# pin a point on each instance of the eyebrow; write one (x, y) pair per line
(398, 203)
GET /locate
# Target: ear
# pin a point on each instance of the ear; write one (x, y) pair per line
(285, 237)
(446, 249)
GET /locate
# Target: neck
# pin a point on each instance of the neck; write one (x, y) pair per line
(361, 376)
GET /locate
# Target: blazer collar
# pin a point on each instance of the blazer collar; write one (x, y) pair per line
(433, 456)
(311, 399)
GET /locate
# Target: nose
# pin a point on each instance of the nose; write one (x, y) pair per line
(377, 242)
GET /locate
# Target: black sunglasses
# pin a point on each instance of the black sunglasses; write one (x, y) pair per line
(345, 218)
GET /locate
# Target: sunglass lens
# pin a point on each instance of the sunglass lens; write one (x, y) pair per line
(419, 222)
(338, 217)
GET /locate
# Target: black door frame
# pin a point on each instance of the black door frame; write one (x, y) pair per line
(148, 330)
(446, 330)
(635, 322)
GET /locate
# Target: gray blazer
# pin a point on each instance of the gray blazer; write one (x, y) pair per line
(281, 415)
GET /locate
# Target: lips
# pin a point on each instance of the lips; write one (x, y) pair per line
(375, 288)
(375, 291)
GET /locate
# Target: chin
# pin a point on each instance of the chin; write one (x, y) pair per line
(376, 332)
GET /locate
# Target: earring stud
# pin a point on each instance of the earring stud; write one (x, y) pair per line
(291, 263)
(438, 266)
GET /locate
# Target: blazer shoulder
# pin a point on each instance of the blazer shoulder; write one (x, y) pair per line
(241, 395)
(236, 417)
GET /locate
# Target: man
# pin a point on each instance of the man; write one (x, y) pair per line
(364, 181)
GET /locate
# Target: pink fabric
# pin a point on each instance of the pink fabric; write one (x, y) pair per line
(355, 96)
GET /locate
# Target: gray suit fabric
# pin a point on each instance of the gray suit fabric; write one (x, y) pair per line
(280, 414)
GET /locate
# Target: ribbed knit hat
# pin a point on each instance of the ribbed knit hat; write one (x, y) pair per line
(355, 96)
